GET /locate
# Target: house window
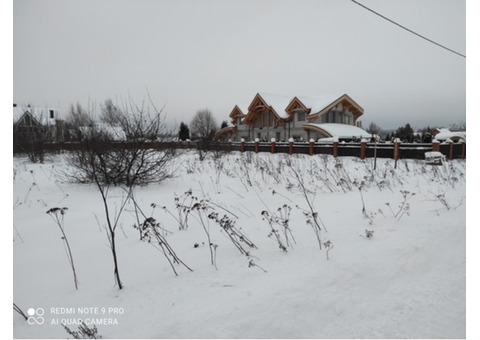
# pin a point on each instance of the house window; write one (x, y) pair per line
(52, 114)
(300, 116)
(267, 119)
(329, 117)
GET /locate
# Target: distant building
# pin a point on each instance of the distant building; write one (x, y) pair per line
(299, 117)
(114, 133)
(29, 119)
(443, 134)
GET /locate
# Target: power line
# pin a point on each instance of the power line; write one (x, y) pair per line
(409, 30)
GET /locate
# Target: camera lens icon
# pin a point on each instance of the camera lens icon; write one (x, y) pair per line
(35, 316)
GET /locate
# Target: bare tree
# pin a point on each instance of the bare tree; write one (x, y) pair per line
(203, 127)
(107, 163)
(111, 114)
(128, 164)
(374, 129)
(203, 124)
(78, 118)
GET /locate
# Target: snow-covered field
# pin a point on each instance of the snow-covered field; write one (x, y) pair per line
(396, 265)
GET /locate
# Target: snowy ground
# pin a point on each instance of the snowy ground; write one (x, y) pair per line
(408, 280)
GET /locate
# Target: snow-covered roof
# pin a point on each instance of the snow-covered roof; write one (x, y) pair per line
(278, 102)
(318, 103)
(42, 114)
(441, 130)
(339, 130)
(445, 134)
(114, 132)
(224, 130)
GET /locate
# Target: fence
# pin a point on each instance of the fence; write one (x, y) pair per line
(362, 150)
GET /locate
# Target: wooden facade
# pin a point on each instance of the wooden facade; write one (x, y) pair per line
(278, 117)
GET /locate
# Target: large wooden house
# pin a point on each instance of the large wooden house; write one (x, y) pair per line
(302, 118)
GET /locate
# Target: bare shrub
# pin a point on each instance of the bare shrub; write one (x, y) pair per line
(280, 219)
(84, 332)
(150, 229)
(404, 206)
(31, 141)
(108, 162)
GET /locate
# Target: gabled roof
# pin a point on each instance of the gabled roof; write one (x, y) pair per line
(323, 104)
(273, 102)
(41, 115)
(21, 118)
(277, 102)
(237, 111)
(296, 104)
(284, 105)
(318, 103)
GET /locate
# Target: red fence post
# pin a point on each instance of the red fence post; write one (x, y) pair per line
(363, 148)
(450, 150)
(464, 149)
(272, 145)
(242, 145)
(257, 145)
(229, 147)
(311, 150)
(435, 145)
(335, 147)
(290, 146)
(396, 150)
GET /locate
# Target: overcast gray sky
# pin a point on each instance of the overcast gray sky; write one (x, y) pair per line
(193, 54)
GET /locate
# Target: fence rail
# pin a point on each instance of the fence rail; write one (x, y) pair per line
(362, 150)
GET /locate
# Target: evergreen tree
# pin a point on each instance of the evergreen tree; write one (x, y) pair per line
(405, 133)
(183, 132)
